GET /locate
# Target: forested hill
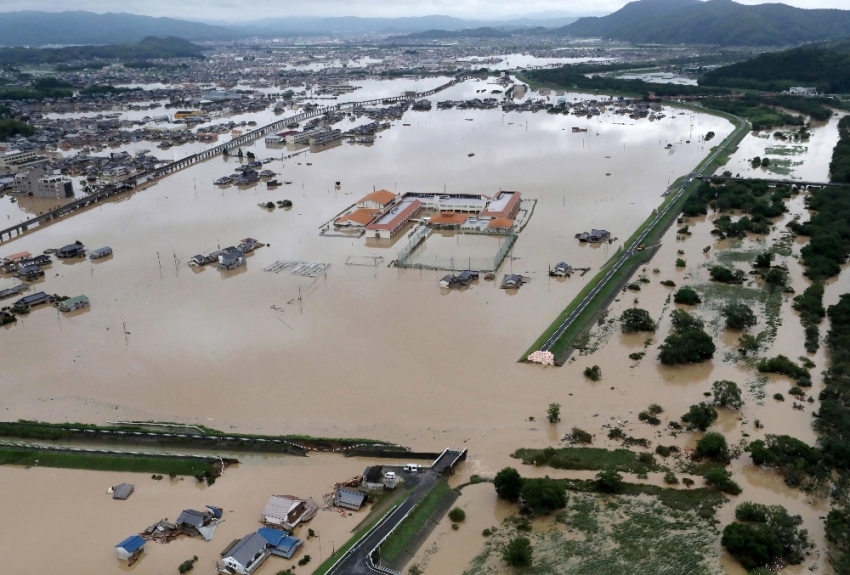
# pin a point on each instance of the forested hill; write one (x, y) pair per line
(147, 49)
(484, 32)
(825, 66)
(717, 22)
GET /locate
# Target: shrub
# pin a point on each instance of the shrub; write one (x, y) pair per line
(518, 552)
(508, 484)
(752, 545)
(486, 533)
(655, 409)
(765, 535)
(662, 450)
(457, 515)
(581, 436)
(683, 321)
(553, 412)
(638, 355)
(689, 347)
(747, 343)
(778, 397)
(784, 366)
(616, 433)
(668, 283)
(636, 319)
(648, 418)
(304, 560)
(713, 445)
(727, 394)
(609, 481)
(725, 275)
(776, 277)
(687, 481)
(544, 495)
(670, 478)
(593, 373)
(721, 480)
(764, 260)
(739, 316)
(700, 416)
(687, 296)
(680, 263)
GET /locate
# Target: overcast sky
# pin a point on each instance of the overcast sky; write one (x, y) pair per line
(235, 10)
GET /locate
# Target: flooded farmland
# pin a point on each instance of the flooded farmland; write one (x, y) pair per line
(371, 350)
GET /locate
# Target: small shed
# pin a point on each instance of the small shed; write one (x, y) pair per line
(349, 498)
(130, 548)
(122, 491)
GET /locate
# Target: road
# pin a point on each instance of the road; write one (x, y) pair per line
(630, 250)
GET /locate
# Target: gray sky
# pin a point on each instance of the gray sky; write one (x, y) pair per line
(234, 10)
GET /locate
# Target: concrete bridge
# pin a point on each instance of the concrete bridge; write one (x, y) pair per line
(155, 174)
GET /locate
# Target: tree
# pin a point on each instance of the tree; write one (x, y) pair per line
(239, 153)
(764, 260)
(776, 277)
(593, 373)
(690, 347)
(700, 416)
(725, 275)
(687, 296)
(721, 480)
(543, 495)
(747, 343)
(457, 515)
(739, 316)
(553, 413)
(508, 483)
(767, 530)
(752, 545)
(713, 445)
(683, 321)
(727, 394)
(518, 552)
(609, 481)
(636, 319)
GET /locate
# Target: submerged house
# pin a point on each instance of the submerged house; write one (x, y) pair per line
(562, 269)
(194, 523)
(287, 511)
(75, 250)
(280, 543)
(349, 498)
(512, 281)
(231, 260)
(122, 491)
(595, 236)
(130, 549)
(30, 272)
(464, 278)
(246, 555)
(73, 304)
(34, 300)
(100, 253)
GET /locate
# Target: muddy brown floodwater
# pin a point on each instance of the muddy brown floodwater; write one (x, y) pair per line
(361, 351)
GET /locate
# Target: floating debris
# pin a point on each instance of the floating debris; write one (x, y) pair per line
(298, 268)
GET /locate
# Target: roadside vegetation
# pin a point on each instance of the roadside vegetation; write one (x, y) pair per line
(828, 231)
(839, 167)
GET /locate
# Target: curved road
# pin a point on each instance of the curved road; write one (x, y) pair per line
(630, 251)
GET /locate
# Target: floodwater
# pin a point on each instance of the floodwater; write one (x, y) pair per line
(374, 351)
(84, 522)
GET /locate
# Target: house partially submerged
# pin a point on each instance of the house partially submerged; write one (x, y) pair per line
(231, 260)
(595, 236)
(280, 543)
(73, 304)
(122, 491)
(130, 549)
(462, 279)
(287, 511)
(33, 300)
(75, 250)
(246, 556)
(30, 273)
(562, 269)
(194, 523)
(100, 253)
(349, 498)
(512, 281)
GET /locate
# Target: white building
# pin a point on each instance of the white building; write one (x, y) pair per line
(13, 158)
(38, 183)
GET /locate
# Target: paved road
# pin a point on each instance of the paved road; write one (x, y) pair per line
(630, 250)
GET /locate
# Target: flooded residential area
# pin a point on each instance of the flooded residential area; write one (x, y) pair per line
(462, 301)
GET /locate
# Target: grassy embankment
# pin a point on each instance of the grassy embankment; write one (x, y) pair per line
(419, 515)
(105, 462)
(618, 280)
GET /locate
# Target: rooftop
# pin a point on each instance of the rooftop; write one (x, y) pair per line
(383, 197)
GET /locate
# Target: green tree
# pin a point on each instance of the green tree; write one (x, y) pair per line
(752, 545)
(518, 552)
(764, 260)
(609, 481)
(553, 413)
(689, 347)
(747, 344)
(739, 316)
(722, 481)
(543, 495)
(508, 483)
(683, 321)
(457, 515)
(636, 319)
(687, 296)
(700, 416)
(727, 394)
(713, 445)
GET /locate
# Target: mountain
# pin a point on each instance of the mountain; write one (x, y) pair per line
(353, 25)
(40, 28)
(147, 49)
(467, 33)
(825, 66)
(718, 22)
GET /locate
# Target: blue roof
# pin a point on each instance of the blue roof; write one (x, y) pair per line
(132, 543)
(279, 539)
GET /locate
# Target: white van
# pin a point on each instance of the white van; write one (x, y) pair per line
(412, 468)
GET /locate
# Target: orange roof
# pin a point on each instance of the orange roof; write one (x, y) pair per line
(383, 197)
(362, 216)
(447, 218)
(19, 256)
(501, 223)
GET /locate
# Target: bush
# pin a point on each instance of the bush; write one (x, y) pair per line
(778, 397)
(747, 343)
(648, 418)
(636, 319)
(725, 275)
(593, 373)
(683, 321)
(663, 451)
(687, 482)
(668, 283)
(655, 409)
(518, 552)
(721, 480)
(457, 515)
(670, 478)
(544, 495)
(689, 347)
(767, 534)
(764, 260)
(680, 263)
(553, 412)
(783, 366)
(581, 436)
(714, 446)
(508, 483)
(187, 565)
(739, 316)
(727, 394)
(687, 296)
(609, 481)
(752, 545)
(700, 416)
